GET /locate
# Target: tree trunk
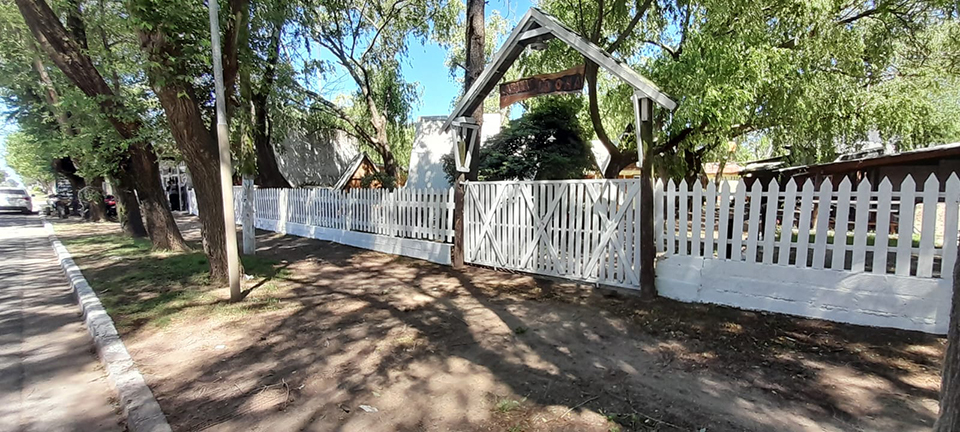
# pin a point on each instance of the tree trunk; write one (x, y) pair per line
(128, 210)
(949, 420)
(98, 209)
(143, 171)
(475, 62)
(268, 170)
(201, 154)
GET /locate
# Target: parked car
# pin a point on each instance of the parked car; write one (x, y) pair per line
(16, 199)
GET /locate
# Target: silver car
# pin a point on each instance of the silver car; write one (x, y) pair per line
(15, 199)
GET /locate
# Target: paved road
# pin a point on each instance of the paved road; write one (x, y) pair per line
(50, 379)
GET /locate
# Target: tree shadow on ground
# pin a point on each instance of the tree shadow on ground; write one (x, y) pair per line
(434, 348)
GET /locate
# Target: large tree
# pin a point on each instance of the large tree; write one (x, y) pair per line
(175, 39)
(812, 76)
(138, 166)
(368, 41)
(264, 78)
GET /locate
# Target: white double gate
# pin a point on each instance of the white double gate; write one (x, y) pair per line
(577, 229)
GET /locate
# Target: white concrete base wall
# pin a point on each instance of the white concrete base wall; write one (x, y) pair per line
(421, 249)
(908, 303)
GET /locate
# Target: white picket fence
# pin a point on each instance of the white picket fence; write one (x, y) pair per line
(578, 229)
(858, 228)
(860, 253)
(421, 214)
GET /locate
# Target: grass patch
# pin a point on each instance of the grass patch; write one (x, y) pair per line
(140, 287)
(506, 405)
(892, 240)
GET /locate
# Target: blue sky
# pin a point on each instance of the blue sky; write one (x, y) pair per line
(426, 64)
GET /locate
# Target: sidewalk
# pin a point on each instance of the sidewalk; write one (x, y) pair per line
(50, 379)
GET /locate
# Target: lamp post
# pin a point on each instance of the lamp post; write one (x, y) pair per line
(226, 168)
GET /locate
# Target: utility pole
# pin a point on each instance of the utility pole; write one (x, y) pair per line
(226, 168)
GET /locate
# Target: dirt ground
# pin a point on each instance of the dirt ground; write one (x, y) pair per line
(363, 341)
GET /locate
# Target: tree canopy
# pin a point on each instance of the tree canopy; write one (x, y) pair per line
(546, 143)
(813, 76)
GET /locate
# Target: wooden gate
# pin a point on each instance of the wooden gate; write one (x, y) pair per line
(576, 229)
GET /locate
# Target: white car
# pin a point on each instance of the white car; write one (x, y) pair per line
(15, 199)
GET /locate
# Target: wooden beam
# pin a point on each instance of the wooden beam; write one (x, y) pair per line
(540, 32)
(537, 24)
(602, 58)
(492, 74)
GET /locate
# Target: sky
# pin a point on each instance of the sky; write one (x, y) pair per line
(426, 65)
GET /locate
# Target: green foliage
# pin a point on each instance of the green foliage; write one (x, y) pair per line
(53, 116)
(29, 158)
(546, 143)
(813, 77)
(368, 42)
(385, 181)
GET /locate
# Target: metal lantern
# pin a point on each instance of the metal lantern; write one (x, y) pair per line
(468, 132)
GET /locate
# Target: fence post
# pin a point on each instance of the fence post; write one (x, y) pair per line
(283, 214)
(643, 115)
(247, 217)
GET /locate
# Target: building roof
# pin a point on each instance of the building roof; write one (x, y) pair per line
(538, 26)
(352, 168)
(845, 166)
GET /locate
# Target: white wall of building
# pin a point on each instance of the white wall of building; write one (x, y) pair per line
(429, 146)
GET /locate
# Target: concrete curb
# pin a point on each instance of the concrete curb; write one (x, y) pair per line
(142, 412)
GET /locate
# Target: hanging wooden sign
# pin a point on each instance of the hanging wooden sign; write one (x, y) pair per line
(568, 81)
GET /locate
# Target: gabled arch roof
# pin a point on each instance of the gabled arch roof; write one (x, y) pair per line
(537, 25)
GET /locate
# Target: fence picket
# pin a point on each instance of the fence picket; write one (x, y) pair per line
(950, 229)
(770, 225)
(861, 219)
(908, 190)
(671, 217)
(804, 225)
(928, 229)
(736, 229)
(682, 193)
(696, 220)
(824, 199)
(658, 210)
(710, 210)
(882, 228)
(753, 223)
(841, 225)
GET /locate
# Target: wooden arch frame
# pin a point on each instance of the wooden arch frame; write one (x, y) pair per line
(538, 26)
